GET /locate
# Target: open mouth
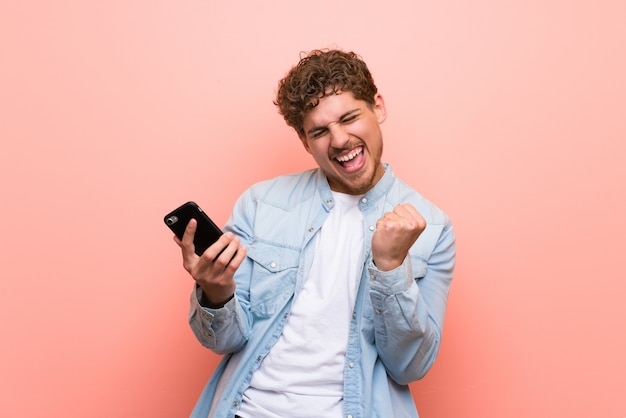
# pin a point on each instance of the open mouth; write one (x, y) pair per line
(351, 160)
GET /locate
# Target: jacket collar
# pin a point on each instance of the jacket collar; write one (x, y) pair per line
(378, 191)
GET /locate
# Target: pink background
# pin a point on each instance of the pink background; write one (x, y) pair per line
(510, 115)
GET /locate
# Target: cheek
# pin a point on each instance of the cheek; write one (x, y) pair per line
(319, 156)
(372, 135)
(318, 149)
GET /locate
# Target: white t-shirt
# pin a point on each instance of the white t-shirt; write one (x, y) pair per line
(302, 376)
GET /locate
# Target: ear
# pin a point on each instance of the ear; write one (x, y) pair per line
(379, 108)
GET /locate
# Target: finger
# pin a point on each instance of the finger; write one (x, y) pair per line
(228, 260)
(397, 216)
(240, 256)
(388, 220)
(232, 257)
(405, 210)
(219, 246)
(227, 253)
(217, 256)
(190, 232)
(236, 261)
(187, 247)
(410, 209)
(411, 214)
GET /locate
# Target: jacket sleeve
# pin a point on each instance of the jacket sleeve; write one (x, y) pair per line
(409, 304)
(222, 330)
(227, 329)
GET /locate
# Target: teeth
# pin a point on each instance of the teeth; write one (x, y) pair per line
(349, 156)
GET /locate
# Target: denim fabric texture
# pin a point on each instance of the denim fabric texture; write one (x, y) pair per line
(397, 322)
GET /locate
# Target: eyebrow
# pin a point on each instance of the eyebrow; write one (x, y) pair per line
(319, 128)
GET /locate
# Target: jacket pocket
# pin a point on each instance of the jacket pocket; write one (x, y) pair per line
(273, 277)
(423, 248)
(419, 266)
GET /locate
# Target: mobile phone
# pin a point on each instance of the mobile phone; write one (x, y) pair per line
(206, 232)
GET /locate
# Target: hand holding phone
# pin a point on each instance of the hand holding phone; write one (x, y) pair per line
(215, 276)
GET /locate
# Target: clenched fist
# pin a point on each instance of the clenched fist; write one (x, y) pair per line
(395, 233)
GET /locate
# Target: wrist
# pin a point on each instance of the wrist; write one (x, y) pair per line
(213, 303)
(214, 299)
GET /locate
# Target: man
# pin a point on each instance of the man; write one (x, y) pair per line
(327, 293)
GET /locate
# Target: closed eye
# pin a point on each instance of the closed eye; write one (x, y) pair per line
(349, 118)
(345, 119)
(318, 133)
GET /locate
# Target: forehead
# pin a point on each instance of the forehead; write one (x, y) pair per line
(331, 107)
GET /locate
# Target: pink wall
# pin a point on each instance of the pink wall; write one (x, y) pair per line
(509, 115)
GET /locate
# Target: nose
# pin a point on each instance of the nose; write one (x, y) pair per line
(339, 136)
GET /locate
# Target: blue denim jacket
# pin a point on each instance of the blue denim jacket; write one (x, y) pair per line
(397, 321)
